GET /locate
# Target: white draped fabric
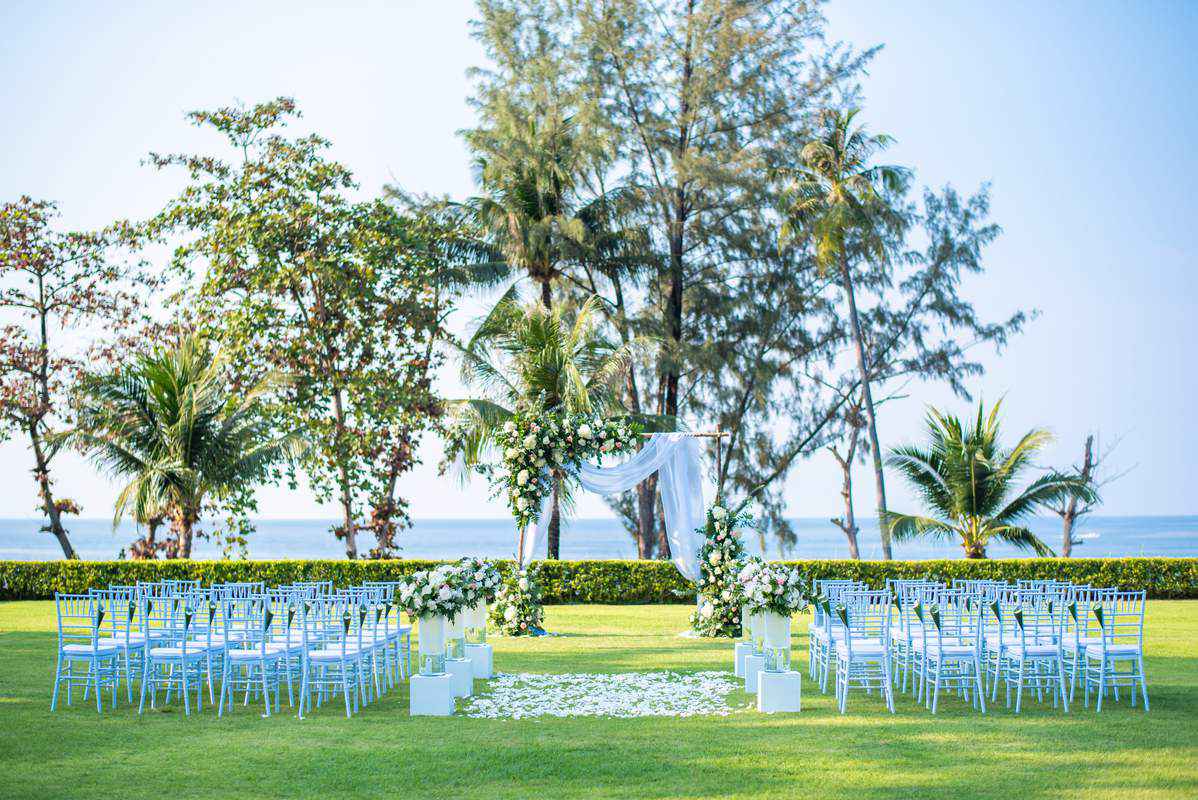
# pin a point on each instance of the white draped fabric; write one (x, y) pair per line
(675, 456)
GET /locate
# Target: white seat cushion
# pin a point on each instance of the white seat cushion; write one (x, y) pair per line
(951, 651)
(1095, 650)
(88, 650)
(255, 653)
(866, 648)
(119, 643)
(177, 652)
(1016, 651)
(332, 654)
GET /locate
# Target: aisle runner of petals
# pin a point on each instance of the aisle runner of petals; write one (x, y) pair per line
(625, 694)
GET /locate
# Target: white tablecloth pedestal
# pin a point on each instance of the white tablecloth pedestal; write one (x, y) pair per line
(431, 696)
(742, 649)
(482, 659)
(753, 665)
(779, 691)
(462, 674)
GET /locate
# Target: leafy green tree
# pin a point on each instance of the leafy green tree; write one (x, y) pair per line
(171, 425)
(57, 288)
(530, 357)
(969, 482)
(345, 298)
(840, 195)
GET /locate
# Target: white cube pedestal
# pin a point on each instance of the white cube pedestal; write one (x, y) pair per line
(431, 696)
(742, 649)
(753, 665)
(779, 691)
(481, 658)
(462, 675)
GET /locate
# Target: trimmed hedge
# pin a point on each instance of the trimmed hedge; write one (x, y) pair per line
(598, 581)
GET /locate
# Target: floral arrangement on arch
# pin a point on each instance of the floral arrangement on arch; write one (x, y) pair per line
(771, 587)
(433, 593)
(517, 608)
(536, 441)
(720, 561)
(480, 580)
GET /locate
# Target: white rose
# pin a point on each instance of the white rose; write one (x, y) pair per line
(530, 441)
(719, 512)
(584, 431)
(522, 477)
(509, 427)
(523, 584)
(510, 614)
(511, 453)
(521, 503)
(715, 557)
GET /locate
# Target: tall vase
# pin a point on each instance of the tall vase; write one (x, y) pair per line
(432, 645)
(777, 641)
(757, 632)
(455, 633)
(476, 623)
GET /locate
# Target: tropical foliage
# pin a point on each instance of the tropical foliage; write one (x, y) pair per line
(172, 426)
(970, 484)
(533, 367)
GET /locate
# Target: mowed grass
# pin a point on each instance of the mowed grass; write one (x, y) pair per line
(1122, 753)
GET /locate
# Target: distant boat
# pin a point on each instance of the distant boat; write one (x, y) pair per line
(1085, 537)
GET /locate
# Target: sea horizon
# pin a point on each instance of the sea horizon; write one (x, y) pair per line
(602, 538)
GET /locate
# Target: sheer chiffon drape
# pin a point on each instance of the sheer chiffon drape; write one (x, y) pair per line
(675, 457)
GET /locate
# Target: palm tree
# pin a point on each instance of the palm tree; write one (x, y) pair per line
(967, 480)
(527, 166)
(171, 426)
(531, 357)
(838, 199)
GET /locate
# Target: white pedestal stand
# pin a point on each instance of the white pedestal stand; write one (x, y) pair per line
(461, 674)
(753, 665)
(431, 696)
(742, 649)
(779, 691)
(482, 658)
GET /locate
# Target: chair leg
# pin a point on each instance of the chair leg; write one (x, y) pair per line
(1101, 683)
(1143, 683)
(1061, 683)
(1019, 687)
(57, 681)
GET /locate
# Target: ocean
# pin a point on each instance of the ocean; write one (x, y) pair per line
(21, 539)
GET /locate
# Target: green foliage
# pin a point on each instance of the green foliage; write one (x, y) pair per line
(600, 581)
(170, 424)
(967, 480)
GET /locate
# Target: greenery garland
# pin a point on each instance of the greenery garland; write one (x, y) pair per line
(535, 441)
(517, 608)
(720, 561)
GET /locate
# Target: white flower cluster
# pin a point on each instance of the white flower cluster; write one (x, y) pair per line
(771, 587)
(623, 694)
(533, 443)
(480, 580)
(718, 612)
(517, 608)
(435, 592)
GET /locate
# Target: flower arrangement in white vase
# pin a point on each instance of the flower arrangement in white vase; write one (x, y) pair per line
(480, 582)
(433, 598)
(775, 593)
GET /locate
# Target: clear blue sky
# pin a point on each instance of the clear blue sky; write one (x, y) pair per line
(1082, 115)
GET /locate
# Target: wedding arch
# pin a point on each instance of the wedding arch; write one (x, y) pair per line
(675, 457)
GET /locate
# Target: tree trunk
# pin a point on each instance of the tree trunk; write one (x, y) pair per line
(41, 474)
(974, 550)
(646, 530)
(546, 295)
(555, 522)
(1070, 514)
(870, 419)
(347, 521)
(186, 534)
(663, 540)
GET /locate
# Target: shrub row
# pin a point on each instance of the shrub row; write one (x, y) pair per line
(597, 581)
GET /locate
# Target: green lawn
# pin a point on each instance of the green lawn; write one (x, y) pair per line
(1122, 753)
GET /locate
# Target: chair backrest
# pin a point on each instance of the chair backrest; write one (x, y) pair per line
(1120, 617)
(120, 610)
(79, 618)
